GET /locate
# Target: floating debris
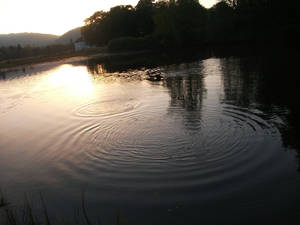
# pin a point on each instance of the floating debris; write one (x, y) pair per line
(154, 75)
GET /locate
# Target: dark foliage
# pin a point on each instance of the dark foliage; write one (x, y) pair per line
(180, 24)
(133, 43)
(185, 23)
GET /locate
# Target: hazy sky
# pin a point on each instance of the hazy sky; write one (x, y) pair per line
(54, 16)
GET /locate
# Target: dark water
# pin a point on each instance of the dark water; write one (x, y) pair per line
(215, 142)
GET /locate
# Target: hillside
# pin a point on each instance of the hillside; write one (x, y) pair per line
(37, 39)
(68, 36)
(32, 39)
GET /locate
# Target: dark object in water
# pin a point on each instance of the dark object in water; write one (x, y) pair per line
(154, 75)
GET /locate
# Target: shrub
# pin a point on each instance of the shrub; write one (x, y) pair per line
(133, 44)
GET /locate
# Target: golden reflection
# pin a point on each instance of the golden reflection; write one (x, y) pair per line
(72, 80)
(212, 70)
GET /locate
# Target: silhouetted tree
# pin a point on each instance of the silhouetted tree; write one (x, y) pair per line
(220, 23)
(182, 23)
(94, 31)
(102, 26)
(144, 17)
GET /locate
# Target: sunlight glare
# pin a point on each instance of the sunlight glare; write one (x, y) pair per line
(73, 80)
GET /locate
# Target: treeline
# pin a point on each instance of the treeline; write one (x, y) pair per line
(254, 21)
(186, 23)
(17, 52)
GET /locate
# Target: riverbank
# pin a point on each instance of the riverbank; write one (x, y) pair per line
(104, 53)
(10, 64)
(100, 52)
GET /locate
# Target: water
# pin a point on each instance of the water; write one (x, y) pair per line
(204, 145)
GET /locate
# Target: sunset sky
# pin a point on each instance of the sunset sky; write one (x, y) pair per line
(54, 16)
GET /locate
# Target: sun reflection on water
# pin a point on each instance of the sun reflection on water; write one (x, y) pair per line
(74, 81)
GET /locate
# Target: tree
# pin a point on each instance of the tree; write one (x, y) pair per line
(180, 23)
(144, 17)
(220, 24)
(102, 26)
(144, 4)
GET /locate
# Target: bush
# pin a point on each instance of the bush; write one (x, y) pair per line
(133, 44)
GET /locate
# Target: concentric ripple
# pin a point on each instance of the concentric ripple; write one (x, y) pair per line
(106, 108)
(164, 142)
(142, 148)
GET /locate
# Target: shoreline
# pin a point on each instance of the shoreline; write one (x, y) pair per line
(103, 53)
(9, 65)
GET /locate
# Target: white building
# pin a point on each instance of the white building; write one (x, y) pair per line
(80, 45)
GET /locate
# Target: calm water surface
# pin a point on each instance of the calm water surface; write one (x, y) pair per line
(202, 146)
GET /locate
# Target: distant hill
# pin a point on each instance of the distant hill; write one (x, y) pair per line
(38, 40)
(70, 35)
(32, 39)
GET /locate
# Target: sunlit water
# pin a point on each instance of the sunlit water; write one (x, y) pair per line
(197, 147)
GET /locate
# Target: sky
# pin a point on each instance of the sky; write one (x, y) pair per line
(54, 16)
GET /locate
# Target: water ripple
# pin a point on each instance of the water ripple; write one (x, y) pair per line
(106, 108)
(128, 142)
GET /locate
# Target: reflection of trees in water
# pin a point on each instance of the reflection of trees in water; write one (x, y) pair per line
(290, 133)
(96, 69)
(187, 92)
(240, 81)
(123, 63)
(279, 86)
(2, 75)
(262, 82)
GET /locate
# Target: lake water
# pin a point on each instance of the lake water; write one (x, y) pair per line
(213, 143)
